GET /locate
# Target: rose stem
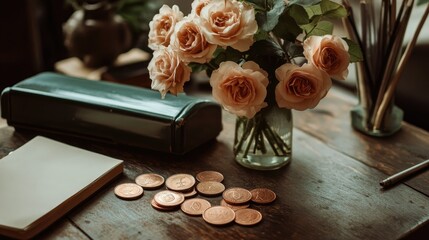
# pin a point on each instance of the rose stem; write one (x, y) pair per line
(270, 139)
(246, 131)
(254, 131)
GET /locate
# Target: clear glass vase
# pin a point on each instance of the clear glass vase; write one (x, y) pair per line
(390, 123)
(264, 142)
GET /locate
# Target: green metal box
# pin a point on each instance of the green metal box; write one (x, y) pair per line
(116, 113)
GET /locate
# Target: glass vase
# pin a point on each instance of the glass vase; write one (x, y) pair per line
(264, 142)
(390, 123)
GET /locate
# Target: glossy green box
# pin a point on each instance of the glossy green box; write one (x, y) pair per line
(116, 113)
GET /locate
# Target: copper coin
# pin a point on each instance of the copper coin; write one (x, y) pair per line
(237, 195)
(263, 195)
(128, 191)
(195, 206)
(206, 176)
(218, 215)
(159, 207)
(180, 182)
(190, 194)
(210, 188)
(247, 216)
(168, 198)
(233, 207)
(150, 180)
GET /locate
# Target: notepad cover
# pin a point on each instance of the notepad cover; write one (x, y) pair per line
(44, 179)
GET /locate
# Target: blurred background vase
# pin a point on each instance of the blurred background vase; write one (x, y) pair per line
(390, 123)
(96, 35)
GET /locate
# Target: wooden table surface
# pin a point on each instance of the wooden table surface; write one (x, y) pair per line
(329, 191)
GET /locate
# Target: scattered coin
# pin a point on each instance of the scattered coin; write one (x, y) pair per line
(233, 207)
(237, 195)
(263, 195)
(169, 198)
(195, 206)
(247, 216)
(180, 182)
(150, 180)
(210, 188)
(128, 191)
(190, 194)
(219, 215)
(206, 176)
(159, 207)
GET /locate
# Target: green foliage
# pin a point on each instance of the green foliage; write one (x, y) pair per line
(288, 22)
(272, 16)
(318, 13)
(197, 67)
(219, 56)
(137, 13)
(321, 28)
(308, 17)
(420, 2)
(354, 51)
(304, 2)
(268, 54)
(294, 50)
(332, 10)
(289, 28)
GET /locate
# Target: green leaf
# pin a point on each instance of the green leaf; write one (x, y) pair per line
(304, 2)
(268, 54)
(420, 2)
(295, 50)
(332, 9)
(197, 67)
(259, 4)
(269, 17)
(261, 35)
(299, 13)
(354, 51)
(218, 51)
(289, 29)
(228, 54)
(313, 23)
(273, 15)
(313, 10)
(322, 28)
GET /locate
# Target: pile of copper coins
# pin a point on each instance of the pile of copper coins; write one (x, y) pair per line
(182, 189)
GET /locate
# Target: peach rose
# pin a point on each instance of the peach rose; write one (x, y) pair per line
(189, 43)
(328, 53)
(168, 72)
(197, 6)
(240, 90)
(301, 87)
(162, 26)
(229, 23)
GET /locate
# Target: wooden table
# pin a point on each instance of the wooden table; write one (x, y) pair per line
(329, 191)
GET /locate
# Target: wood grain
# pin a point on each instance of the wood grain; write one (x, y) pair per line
(330, 122)
(329, 191)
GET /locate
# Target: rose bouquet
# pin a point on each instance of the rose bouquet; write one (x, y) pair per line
(260, 55)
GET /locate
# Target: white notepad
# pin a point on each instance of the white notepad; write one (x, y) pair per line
(44, 179)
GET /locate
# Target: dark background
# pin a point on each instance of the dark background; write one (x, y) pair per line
(31, 38)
